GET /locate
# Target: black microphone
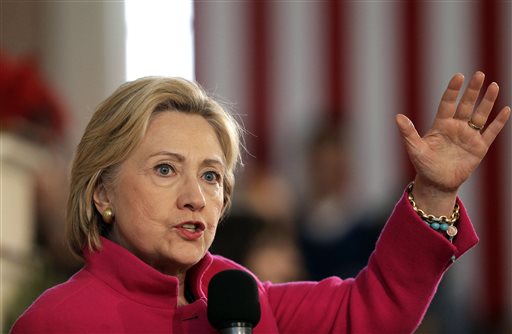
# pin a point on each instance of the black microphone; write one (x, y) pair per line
(233, 302)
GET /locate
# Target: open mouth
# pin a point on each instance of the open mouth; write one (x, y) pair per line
(192, 226)
(191, 230)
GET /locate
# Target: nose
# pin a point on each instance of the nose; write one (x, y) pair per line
(191, 195)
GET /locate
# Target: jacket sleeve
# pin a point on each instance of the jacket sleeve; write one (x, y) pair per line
(390, 295)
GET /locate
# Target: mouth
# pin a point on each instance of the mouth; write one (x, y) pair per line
(192, 226)
(191, 230)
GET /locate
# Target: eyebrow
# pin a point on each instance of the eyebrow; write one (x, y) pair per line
(176, 156)
(181, 158)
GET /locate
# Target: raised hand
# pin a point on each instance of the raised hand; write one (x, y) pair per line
(455, 145)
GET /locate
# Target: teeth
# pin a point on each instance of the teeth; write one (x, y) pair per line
(191, 227)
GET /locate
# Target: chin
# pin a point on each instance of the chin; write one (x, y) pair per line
(189, 259)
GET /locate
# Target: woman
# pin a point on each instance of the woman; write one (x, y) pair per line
(152, 177)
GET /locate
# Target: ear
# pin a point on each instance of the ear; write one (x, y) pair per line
(101, 199)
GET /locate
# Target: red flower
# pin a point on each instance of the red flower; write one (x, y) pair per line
(28, 106)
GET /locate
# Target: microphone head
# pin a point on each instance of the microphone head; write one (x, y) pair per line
(233, 297)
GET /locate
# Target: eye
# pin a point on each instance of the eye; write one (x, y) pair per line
(211, 177)
(164, 169)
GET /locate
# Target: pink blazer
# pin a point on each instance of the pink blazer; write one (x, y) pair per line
(116, 292)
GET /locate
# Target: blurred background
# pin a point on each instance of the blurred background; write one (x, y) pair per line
(316, 85)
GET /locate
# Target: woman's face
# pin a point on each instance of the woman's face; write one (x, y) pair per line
(168, 196)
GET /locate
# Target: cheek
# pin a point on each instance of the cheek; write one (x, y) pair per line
(132, 215)
(144, 209)
(139, 203)
(218, 201)
(215, 208)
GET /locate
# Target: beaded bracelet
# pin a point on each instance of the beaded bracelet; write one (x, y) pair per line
(442, 223)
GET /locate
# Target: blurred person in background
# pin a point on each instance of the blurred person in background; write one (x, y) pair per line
(274, 256)
(329, 222)
(259, 232)
(153, 175)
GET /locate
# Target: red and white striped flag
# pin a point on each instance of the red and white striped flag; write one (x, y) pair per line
(287, 66)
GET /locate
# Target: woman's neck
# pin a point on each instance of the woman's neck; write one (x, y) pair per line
(182, 300)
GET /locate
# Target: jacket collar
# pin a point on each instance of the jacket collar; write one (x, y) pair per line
(130, 276)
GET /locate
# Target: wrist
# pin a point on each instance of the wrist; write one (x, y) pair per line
(433, 200)
(442, 223)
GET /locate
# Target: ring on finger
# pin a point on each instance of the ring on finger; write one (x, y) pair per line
(474, 126)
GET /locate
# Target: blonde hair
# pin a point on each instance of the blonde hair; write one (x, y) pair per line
(116, 129)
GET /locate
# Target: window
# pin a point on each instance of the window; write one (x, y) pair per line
(159, 38)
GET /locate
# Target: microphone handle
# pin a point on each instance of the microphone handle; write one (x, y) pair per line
(237, 328)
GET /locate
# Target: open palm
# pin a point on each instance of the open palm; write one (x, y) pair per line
(452, 149)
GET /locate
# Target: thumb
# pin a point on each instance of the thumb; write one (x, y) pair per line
(408, 131)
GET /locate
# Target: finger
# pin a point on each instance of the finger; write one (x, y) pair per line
(449, 99)
(468, 99)
(408, 132)
(483, 110)
(496, 125)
